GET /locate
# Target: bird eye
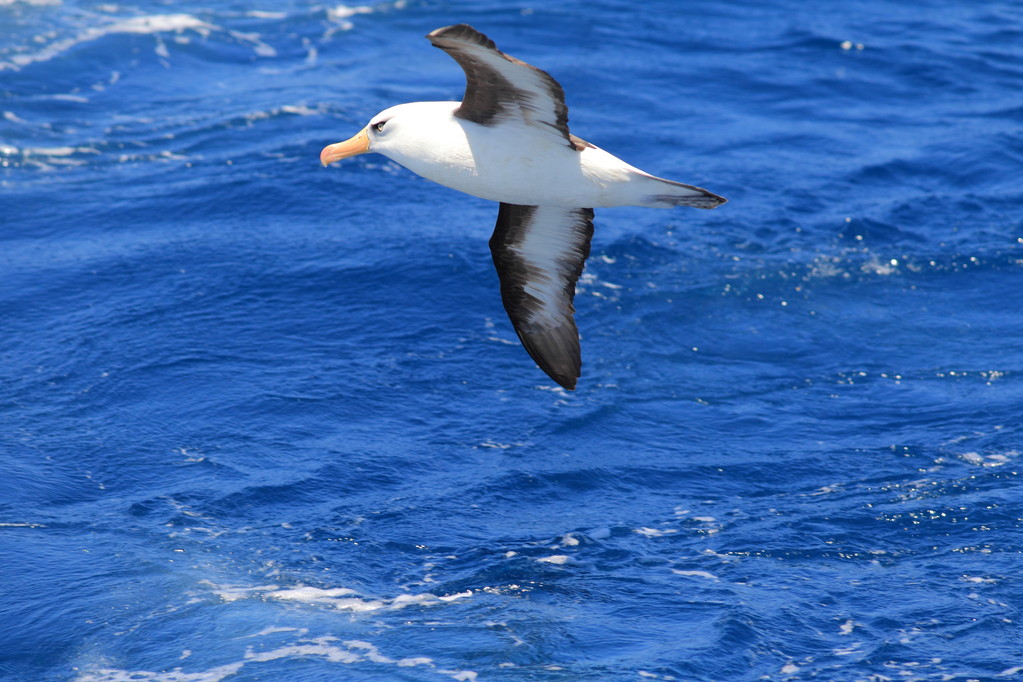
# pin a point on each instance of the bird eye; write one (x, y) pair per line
(379, 127)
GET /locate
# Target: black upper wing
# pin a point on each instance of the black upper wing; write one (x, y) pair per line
(500, 88)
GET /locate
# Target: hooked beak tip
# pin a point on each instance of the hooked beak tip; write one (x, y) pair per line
(359, 144)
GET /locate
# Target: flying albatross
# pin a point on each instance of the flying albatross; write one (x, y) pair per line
(508, 141)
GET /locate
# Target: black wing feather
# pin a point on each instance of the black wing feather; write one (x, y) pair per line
(539, 253)
(498, 86)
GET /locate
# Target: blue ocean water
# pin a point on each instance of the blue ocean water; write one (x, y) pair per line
(263, 420)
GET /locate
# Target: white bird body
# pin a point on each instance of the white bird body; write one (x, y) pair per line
(484, 161)
(508, 141)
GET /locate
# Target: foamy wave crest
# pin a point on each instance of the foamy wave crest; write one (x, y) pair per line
(45, 157)
(327, 648)
(158, 23)
(341, 598)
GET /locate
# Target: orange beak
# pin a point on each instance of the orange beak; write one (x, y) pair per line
(335, 152)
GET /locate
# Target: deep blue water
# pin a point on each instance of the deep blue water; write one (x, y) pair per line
(263, 420)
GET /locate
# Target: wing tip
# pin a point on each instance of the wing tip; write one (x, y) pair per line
(556, 351)
(700, 199)
(710, 200)
(460, 32)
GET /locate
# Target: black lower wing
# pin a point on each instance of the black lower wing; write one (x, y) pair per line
(539, 252)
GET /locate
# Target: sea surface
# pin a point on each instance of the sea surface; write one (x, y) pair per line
(262, 420)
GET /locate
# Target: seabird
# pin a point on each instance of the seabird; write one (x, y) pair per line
(508, 141)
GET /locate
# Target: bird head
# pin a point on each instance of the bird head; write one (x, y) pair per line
(405, 132)
(375, 137)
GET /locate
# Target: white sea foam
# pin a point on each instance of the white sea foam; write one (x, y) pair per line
(118, 675)
(989, 460)
(977, 579)
(230, 594)
(59, 151)
(695, 574)
(272, 630)
(409, 662)
(326, 648)
(340, 598)
(344, 11)
(340, 17)
(153, 24)
(44, 157)
(63, 96)
(655, 532)
(350, 651)
(711, 524)
(260, 48)
(301, 110)
(318, 647)
(260, 14)
(158, 23)
(880, 266)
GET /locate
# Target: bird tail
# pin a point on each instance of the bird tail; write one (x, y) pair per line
(668, 193)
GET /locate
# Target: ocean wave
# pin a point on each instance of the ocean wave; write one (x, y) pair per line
(328, 649)
(146, 25)
(180, 29)
(342, 598)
